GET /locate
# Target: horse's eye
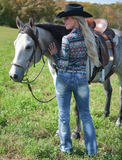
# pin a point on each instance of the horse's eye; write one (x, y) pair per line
(28, 47)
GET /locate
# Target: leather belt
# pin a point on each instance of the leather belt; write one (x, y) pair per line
(72, 71)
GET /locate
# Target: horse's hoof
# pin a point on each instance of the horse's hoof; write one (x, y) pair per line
(118, 122)
(57, 133)
(75, 135)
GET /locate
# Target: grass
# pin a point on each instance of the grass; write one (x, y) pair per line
(27, 127)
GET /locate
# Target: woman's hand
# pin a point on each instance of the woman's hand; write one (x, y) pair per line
(52, 48)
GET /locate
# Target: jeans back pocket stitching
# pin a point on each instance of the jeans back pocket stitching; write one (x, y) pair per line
(61, 81)
(82, 84)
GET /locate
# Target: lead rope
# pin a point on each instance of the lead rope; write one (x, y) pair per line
(30, 88)
(36, 76)
(38, 99)
(32, 35)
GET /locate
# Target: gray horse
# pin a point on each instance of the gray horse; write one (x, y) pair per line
(31, 45)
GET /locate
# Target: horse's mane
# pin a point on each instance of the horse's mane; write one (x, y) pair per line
(58, 31)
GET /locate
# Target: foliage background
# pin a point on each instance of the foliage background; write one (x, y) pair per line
(46, 10)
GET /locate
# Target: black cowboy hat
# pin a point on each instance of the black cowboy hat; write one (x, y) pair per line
(73, 10)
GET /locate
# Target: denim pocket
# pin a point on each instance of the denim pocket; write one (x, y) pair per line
(83, 87)
(63, 80)
(82, 80)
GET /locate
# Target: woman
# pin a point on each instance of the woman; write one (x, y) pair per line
(72, 77)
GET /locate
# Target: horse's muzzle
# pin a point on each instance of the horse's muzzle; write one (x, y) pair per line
(16, 74)
(14, 77)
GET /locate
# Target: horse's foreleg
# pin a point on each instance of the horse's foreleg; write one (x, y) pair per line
(108, 92)
(119, 121)
(76, 133)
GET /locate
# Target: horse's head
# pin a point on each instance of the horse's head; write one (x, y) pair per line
(27, 50)
(32, 42)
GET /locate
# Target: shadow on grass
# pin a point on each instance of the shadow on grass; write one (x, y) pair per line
(78, 153)
(97, 114)
(113, 119)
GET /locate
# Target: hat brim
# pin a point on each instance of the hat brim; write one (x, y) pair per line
(73, 13)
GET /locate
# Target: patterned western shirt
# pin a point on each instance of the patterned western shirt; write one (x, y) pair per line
(73, 52)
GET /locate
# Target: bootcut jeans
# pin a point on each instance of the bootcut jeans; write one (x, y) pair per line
(76, 83)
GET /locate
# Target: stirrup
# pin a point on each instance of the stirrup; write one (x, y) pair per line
(102, 79)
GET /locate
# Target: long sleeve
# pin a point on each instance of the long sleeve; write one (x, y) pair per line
(63, 61)
(73, 52)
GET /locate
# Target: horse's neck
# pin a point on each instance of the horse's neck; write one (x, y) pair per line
(45, 38)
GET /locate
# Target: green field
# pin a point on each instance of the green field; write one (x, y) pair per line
(27, 127)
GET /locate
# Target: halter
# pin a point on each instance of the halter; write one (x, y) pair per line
(26, 29)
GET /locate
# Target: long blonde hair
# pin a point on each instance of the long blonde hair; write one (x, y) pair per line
(89, 40)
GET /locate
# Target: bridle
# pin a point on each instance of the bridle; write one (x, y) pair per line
(26, 29)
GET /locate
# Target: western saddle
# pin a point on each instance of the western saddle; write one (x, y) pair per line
(104, 39)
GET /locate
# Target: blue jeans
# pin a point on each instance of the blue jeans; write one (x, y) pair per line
(66, 83)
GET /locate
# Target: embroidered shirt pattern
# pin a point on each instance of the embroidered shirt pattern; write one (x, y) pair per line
(73, 52)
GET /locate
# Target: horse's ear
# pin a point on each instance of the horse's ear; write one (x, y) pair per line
(31, 23)
(19, 23)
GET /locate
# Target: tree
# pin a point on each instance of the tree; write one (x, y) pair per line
(94, 9)
(38, 9)
(7, 13)
(46, 10)
(117, 13)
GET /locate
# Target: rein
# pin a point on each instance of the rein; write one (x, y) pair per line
(30, 32)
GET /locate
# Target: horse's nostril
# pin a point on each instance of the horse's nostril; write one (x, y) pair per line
(15, 76)
(11, 77)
